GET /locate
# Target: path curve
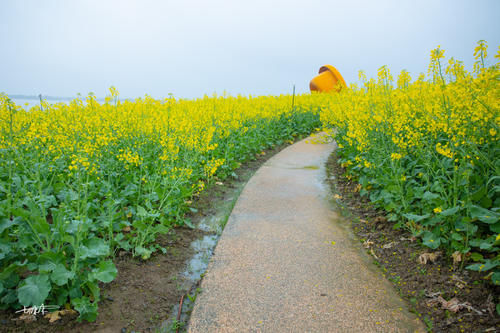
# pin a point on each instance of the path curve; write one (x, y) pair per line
(284, 263)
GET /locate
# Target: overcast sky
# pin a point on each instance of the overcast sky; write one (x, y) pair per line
(259, 47)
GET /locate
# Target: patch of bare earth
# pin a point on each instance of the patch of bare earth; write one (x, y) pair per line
(446, 297)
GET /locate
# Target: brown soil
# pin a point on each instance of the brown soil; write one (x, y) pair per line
(144, 293)
(397, 254)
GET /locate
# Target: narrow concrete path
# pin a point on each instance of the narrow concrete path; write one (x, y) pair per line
(284, 263)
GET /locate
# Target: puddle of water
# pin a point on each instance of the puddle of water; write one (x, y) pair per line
(196, 267)
(203, 251)
(212, 224)
(198, 264)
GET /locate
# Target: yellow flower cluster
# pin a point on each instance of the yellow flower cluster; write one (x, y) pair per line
(396, 156)
(211, 166)
(434, 147)
(86, 135)
(454, 108)
(444, 150)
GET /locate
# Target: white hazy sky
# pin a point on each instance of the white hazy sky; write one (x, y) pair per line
(259, 47)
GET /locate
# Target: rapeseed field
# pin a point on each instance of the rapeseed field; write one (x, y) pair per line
(81, 181)
(427, 152)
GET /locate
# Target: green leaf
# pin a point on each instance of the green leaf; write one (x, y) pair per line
(5, 224)
(162, 229)
(498, 308)
(142, 212)
(433, 221)
(385, 195)
(487, 244)
(429, 196)
(94, 290)
(69, 239)
(465, 225)
(495, 278)
(486, 202)
(416, 218)
(61, 275)
(4, 249)
(450, 211)
(483, 267)
(47, 267)
(476, 256)
(61, 296)
(1, 287)
(75, 291)
(87, 309)
(48, 260)
(143, 252)
(484, 215)
(105, 271)
(34, 290)
(9, 275)
(94, 248)
(10, 297)
(430, 240)
(76, 226)
(495, 227)
(475, 242)
(188, 223)
(476, 196)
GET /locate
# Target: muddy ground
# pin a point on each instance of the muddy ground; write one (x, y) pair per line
(401, 257)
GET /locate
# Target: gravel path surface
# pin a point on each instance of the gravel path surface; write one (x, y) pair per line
(285, 263)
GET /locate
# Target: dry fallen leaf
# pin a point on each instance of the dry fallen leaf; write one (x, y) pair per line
(459, 283)
(373, 254)
(53, 316)
(380, 219)
(357, 188)
(367, 244)
(389, 245)
(56, 315)
(457, 257)
(432, 295)
(126, 229)
(219, 183)
(425, 257)
(26, 317)
(452, 305)
(490, 306)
